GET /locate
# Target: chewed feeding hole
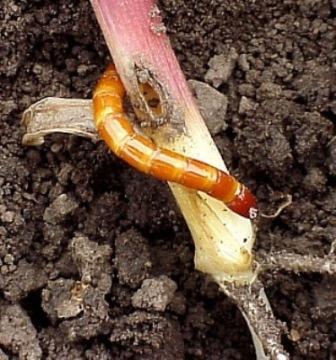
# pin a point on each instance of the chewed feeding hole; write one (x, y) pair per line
(152, 108)
(151, 98)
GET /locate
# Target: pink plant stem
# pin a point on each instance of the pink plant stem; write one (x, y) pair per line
(135, 35)
(133, 29)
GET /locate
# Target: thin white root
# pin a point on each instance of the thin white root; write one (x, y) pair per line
(297, 263)
(266, 330)
(288, 201)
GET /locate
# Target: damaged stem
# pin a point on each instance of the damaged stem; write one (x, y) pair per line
(147, 64)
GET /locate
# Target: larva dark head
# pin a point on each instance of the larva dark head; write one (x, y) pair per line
(244, 204)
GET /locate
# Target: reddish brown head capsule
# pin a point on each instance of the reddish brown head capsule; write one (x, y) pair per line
(143, 154)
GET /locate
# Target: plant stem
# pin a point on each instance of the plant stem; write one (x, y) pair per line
(144, 58)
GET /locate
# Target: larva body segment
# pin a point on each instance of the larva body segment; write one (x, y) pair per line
(143, 154)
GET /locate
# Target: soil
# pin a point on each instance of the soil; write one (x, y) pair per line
(96, 261)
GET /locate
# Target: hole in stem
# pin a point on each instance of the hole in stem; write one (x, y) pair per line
(152, 105)
(151, 98)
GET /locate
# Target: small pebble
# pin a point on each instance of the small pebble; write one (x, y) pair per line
(295, 335)
(269, 90)
(8, 216)
(247, 90)
(56, 147)
(62, 206)
(221, 68)
(9, 259)
(212, 104)
(243, 63)
(246, 106)
(155, 293)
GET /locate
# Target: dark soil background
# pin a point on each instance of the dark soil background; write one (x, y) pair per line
(80, 231)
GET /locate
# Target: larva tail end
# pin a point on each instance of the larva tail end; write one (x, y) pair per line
(244, 204)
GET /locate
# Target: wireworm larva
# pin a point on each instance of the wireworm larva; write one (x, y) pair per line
(142, 153)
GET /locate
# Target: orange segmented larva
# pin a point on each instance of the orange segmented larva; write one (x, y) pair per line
(143, 154)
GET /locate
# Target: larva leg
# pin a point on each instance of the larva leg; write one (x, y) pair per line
(141, 153)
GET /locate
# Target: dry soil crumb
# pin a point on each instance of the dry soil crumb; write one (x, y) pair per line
(155, 293)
